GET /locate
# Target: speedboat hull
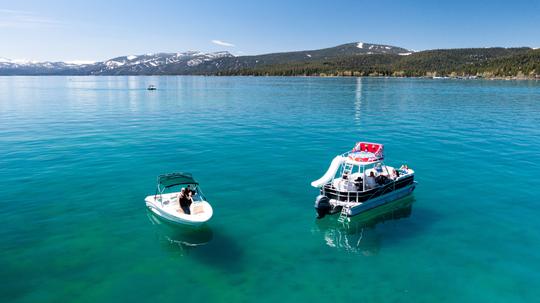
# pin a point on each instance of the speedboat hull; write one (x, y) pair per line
(168, 208)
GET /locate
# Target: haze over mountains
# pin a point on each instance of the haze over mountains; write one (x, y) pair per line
(352, 59)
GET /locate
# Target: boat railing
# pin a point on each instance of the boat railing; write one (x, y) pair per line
(342, 195)
(354, 196)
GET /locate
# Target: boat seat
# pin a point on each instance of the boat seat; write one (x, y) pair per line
(355, 176)
(197, 209)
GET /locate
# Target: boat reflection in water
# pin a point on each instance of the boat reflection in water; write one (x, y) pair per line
(180, 237)
(360, 234)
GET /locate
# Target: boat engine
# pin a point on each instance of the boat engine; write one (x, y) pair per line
(322, 205)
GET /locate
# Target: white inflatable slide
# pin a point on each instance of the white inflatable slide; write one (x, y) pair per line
(330, 173)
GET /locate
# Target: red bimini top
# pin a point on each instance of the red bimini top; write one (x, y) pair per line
(367, 152)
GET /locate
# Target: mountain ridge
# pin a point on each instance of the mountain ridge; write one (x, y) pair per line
(350, 59)
(187, 62)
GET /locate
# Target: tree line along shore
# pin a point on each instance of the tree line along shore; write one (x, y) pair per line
(490, 63)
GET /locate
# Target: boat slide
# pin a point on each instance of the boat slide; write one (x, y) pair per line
(330, 173)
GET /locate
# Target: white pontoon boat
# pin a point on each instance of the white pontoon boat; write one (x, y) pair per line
(167, 204)
(358, 180)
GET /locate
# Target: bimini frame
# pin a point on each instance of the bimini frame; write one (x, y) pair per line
(362, 167)
(166, 181)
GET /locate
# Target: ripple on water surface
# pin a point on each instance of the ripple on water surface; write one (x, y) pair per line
(79, 154)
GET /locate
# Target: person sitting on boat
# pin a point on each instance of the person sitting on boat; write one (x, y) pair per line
(358, 183)
(404, 168)
(381, 179)
(395, 174)
(370, 180)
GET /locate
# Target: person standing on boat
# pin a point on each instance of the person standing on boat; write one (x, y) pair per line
(370, 180)
(189, 201)
(184, 199)
(189, 191)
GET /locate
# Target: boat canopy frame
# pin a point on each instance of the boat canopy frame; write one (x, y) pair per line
(362, 168)
(166, 181)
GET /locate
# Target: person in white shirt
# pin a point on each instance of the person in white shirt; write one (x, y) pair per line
(370, 180)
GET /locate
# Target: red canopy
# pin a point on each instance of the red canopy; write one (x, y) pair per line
(367, 152)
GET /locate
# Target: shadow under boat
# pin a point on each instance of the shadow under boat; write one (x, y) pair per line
(360, 234)
(199, 243)
(182, 237)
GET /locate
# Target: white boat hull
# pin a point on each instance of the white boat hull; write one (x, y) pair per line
(384, 199)
(168, 208)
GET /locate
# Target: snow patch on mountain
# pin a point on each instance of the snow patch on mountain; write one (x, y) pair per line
(194, 62)
(360, 45)
(113, 64)
(80, 62)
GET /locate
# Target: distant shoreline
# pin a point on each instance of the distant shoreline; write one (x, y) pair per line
(351, 59)
(509, 78)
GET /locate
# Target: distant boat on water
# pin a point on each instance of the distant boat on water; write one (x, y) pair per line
(151, 87)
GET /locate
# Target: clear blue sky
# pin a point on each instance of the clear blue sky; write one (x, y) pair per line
(98, 30)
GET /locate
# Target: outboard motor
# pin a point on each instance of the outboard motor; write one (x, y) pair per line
(322, 205)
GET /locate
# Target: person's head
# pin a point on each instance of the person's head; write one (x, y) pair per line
(182, 190)
(371, 174)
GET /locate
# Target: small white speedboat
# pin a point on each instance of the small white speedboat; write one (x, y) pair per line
(167, 203)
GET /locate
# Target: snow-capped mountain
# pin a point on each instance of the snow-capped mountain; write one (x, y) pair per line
(27, 67)
(341, 51)
(192, 62)
(160, 63)
(382, 49)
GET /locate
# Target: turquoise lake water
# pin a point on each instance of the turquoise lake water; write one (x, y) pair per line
(79, 154)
